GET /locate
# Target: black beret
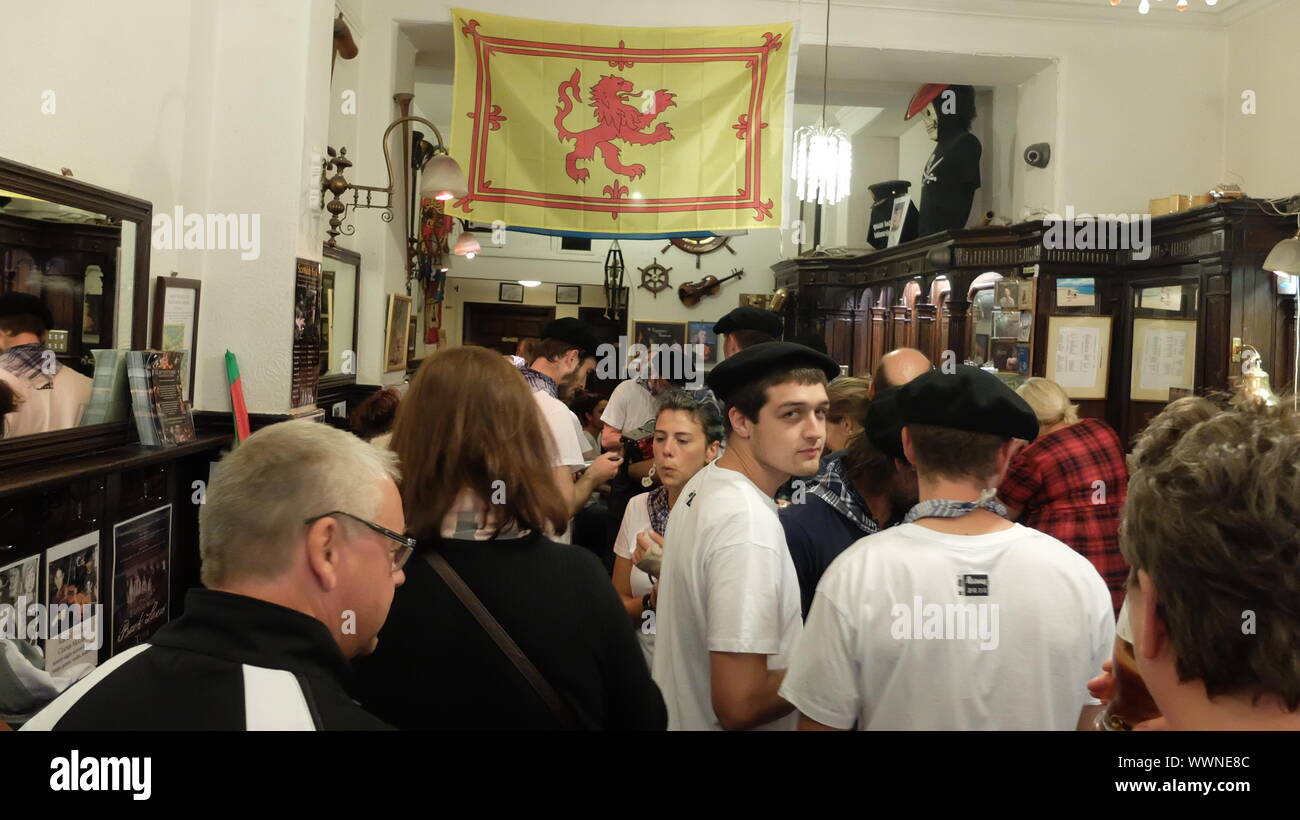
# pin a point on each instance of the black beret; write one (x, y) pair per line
(24, 304)
(574, 331)
(756, 361)
(884, 424)
(750, 318)
(969, 399)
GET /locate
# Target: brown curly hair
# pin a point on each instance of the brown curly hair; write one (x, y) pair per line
(1213, 517)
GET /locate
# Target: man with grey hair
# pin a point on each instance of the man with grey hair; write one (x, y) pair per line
(302, 547)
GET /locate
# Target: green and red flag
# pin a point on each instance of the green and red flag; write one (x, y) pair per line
(237, 397)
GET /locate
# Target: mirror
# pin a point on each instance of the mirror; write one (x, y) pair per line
(340, 279)
(83, 253)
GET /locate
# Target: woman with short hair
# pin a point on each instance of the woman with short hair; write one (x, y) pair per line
(1070, 482)
(687, 435)
(477, 488)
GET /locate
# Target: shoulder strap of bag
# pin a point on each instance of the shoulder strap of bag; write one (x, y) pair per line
(502, 639)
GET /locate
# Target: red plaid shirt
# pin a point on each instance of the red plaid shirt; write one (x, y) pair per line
(1053, 482)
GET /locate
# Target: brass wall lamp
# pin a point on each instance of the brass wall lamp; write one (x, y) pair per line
(439, 176)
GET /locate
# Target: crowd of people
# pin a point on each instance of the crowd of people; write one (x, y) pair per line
(947, 553)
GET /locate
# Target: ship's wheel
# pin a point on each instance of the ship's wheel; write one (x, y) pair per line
(654, 277)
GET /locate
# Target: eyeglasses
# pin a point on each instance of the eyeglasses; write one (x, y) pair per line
(405, 544)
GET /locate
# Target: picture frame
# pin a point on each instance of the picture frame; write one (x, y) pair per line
(659, 333)
(510, 292)
(395, 329)
(982, 311)
(1026, 330)
(701, 333)
(175, 321)
(1006, 324)
(1164, 358)
(568, 294)
(1076, 292)
(1078, 354)
(1002, 352)
(1006, 294)
(1025, 294)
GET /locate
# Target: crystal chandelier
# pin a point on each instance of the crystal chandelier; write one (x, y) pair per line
(1145, 5)
(823, 156)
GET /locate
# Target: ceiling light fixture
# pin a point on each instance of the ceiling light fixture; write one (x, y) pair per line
(823, 156)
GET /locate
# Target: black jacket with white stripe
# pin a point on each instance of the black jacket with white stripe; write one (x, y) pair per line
(229, 663)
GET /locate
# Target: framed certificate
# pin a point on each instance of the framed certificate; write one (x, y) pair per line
(176, 321)
(1164, 357)
(1078, 354)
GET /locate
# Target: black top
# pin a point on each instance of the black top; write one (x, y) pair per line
(436, 668)
(815, 534)
(948, 183)
(229, 663)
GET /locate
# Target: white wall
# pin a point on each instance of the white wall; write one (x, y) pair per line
(187, 104)
(1262, 148)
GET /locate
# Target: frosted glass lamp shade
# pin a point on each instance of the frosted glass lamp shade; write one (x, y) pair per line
(443, 179)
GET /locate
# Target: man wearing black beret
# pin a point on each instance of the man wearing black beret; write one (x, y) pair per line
(565, 355)
(957, 619)
(747, 326)
(728, 612)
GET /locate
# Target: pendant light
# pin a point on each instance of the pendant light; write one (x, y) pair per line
(823, 156)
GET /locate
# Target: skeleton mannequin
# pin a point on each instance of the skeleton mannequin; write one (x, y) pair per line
(952, 174)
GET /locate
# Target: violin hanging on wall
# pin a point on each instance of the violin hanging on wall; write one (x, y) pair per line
(692, 292)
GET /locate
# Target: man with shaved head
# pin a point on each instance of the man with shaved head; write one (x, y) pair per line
(898, 367)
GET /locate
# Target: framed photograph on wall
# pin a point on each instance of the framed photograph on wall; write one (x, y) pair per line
(1003, 355)
(1006, 294)
(1006, 324)
(1026, 326)
(395, 330)
(510, 292)
(1078, 354)
(176, 321)
(568, 294)
(659, 333)
(701, 333)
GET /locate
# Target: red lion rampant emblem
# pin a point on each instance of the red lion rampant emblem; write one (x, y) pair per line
(616, 119)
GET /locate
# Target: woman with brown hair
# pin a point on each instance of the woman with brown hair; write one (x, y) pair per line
(479, 494)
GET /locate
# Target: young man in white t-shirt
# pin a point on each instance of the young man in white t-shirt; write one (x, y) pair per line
(566, 355)
(956, 619)
(728, 611)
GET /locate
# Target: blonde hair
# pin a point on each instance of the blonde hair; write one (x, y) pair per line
(261, 492)
(1049, 402)
(849, 396)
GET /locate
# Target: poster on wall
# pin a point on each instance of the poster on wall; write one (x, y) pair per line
(701, 334)
(18, 591)
(1077, 353)
(659, 333)
(72, 595)
(306, 334)
(141, 573)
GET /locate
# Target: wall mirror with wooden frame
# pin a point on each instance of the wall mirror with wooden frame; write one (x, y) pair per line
(340, 283)
(83, 251)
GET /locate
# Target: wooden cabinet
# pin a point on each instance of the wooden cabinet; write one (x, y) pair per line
(1213, 254)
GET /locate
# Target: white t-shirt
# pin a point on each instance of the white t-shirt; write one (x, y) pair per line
(728, 585)
(888, 640)
(629, 407)
(567, 434)
(40, 411)
(636, 517)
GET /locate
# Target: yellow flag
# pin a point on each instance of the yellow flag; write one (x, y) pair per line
(625, 131)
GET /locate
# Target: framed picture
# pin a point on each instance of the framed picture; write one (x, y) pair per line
(1006, 324)
(510, 292)
(758, 300)
(1078, 353)
(1025, 294)
(1164, 357)
(1026, 326)
(1003, 355)
(981, 306)
(659, 333)
(395, 330)
(701, 334)
(1006, 294)
(176, 321)
(568, 294)
(306, 334)
(1076, 293)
